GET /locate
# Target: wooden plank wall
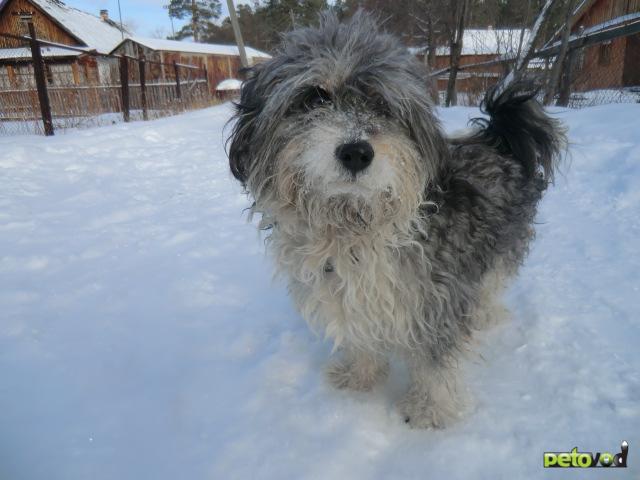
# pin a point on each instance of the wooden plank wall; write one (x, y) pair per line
(603, 10)
(45, 27)
(219, 67)
(600, 66)
(606, 65)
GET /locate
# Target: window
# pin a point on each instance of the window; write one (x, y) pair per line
(5, 84)
(579, 59)
(24, 76)
(604, 55)
(61, 74)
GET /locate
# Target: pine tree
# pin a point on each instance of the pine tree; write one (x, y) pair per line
(200, 14)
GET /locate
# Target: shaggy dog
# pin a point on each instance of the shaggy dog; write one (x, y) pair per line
(393, 238)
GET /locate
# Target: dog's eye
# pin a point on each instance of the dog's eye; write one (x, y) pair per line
(316, 97)
(380, 106)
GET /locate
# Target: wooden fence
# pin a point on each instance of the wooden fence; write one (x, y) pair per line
(43, 95)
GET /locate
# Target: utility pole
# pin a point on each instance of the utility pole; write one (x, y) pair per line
(121, 25)
(39, 73)
(238, 34)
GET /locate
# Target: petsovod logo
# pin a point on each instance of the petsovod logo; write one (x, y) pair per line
(576, 459)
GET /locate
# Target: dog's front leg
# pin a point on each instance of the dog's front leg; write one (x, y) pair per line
(357, 369)
(434, 399)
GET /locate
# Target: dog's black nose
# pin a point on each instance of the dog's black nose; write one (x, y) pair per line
(355, 156)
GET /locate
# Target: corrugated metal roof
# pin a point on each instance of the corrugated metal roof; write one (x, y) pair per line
(47, 52)
(191, 47)
(498, 41)
(612, 23)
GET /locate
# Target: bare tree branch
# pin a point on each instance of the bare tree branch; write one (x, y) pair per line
(529, 50)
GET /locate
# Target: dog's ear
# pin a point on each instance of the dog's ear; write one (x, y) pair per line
(247, 111)
(425, 130)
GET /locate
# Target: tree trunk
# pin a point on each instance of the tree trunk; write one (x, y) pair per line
(529, 50)
(430, 60)
(455, 49)
(556, 70)
(194, 20)
(564, 94)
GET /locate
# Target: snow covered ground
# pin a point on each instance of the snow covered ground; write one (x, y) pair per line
(142, 338)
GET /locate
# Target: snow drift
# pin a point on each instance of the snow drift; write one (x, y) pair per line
(142, 337)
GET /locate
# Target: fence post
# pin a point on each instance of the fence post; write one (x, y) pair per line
(177, 71)
(143, 88)
(124, 87)
(206, 78)
(41, 84)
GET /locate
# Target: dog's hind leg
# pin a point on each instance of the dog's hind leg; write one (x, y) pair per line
(435, 398)
(490, 310)
(357, 370)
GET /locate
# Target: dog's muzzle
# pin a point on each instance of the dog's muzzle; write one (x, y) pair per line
(355, 156)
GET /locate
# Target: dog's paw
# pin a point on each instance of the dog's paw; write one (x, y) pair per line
(353, 376)
(419, 410)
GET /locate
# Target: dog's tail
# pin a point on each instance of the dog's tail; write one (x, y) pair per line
(518, 126)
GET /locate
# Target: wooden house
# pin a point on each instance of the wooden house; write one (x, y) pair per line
(613, 63)
(220, 61)
(478, 46)
(56, 22)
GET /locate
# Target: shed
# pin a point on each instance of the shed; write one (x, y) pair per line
(56, 22)
(613, 63)
(478, 46)
(220, 61)
(228, 88)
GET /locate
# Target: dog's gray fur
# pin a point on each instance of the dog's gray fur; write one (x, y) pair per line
(408, 255)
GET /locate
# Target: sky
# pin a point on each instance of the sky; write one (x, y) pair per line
(147, 17)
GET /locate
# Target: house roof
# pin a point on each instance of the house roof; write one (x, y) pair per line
(497, 41)
(25, 53)
(229, 84)
(631, 18)
(92, 31)
(611, 23)
(579, 12)
(191, 47)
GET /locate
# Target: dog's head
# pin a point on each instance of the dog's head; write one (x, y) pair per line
(337, 126)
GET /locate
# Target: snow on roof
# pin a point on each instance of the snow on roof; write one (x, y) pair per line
(191, 47)
(613, 22)
(229, 84)
(488, 41)
(94, 32)
(25, 53)
(417, 50)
